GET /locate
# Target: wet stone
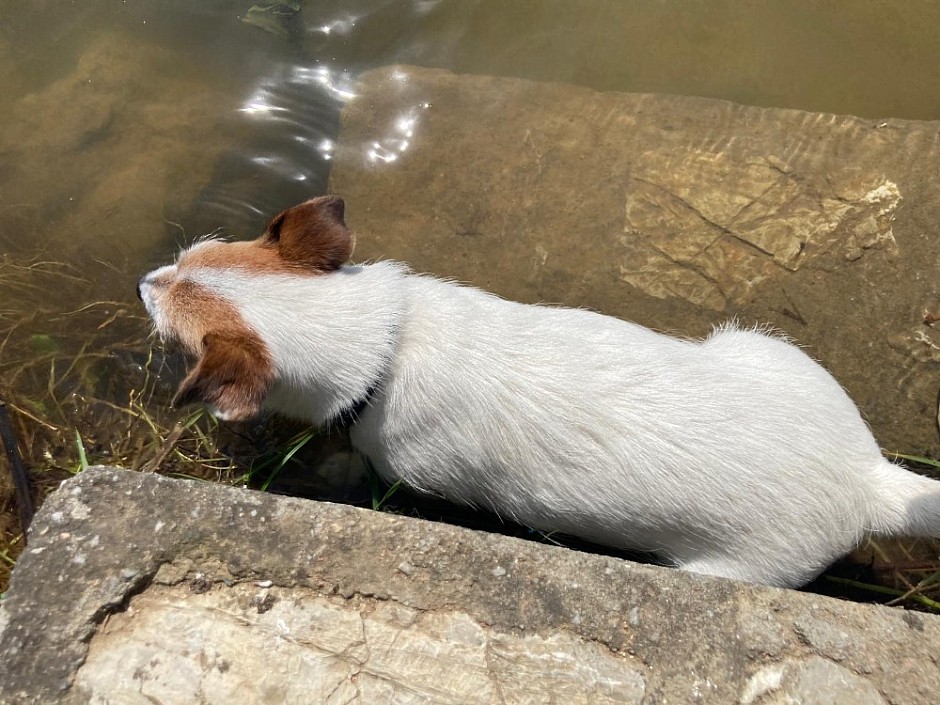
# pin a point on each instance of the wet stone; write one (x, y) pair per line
(676, 212)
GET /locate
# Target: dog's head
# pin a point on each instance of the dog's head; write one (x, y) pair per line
(234, 369)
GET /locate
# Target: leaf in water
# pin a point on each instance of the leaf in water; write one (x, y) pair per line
(272, 17)
(41, 343)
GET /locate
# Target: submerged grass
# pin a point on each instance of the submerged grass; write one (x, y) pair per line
(84, 386)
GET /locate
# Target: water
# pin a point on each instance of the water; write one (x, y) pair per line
(277, 84)
(131, 128)
(280, 82)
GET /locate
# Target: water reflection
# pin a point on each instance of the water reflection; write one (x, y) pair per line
(388, 149)
(292, 118)
(266, 101)
(325, 148)
(338, 26)
(181, 118)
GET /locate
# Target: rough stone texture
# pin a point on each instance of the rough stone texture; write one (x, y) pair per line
(675, 212)
(320, 649)
(140, 589)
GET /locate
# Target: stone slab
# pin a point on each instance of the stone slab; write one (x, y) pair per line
(676, 212)
(137, 588)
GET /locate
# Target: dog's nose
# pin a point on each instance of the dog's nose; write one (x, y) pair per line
(138, 291)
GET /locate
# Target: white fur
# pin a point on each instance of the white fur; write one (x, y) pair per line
(736, 456)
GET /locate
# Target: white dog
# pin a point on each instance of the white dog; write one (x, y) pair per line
(735, 456)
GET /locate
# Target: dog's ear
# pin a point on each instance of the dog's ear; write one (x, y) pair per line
(233, 377)
(313, 235)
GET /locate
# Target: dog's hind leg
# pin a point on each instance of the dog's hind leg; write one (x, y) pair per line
(753, 569)
(717, 566)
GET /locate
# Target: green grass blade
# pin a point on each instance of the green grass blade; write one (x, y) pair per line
(82, 458)
(377, 505)
(301, 441)
(920, 599)
(920, 459)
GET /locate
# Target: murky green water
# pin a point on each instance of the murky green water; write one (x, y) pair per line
(130, 128)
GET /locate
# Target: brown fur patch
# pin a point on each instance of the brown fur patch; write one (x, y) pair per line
(196, 311)
(234, 375)
(309, 238)
(234, 370)
(252, 257)
(313, 234)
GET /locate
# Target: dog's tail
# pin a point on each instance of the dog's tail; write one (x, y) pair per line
(908, 504)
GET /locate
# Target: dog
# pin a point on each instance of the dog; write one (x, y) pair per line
(735, 456)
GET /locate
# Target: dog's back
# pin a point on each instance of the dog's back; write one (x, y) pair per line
(737, 455)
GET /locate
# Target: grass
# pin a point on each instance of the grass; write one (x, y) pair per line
(915, 459)
(899, 596)
(86, 386)
(280, 457)
(82, 457)
(379, 499)
(139, 433)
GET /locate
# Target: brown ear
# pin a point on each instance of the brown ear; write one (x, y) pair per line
(313, 235)
(233, 375)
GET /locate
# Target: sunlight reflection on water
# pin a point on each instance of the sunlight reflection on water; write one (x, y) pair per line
(291, 118)
(388, 149)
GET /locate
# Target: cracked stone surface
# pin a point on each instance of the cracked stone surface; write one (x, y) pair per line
(170, 646)
(675, 212)
(137, 588)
